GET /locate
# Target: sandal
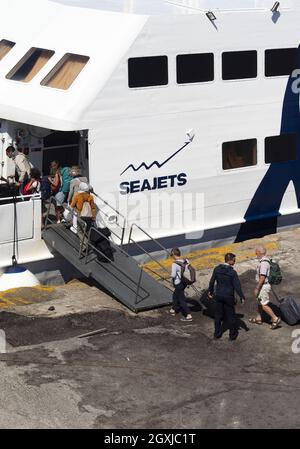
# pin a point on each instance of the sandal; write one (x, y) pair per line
(255, 321)
(275, 324)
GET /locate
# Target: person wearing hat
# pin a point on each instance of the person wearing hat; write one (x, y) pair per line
(83, 206)
(77, 178)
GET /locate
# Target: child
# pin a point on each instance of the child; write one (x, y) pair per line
(83, 205)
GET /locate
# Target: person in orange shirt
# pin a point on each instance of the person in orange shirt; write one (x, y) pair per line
(83, 206)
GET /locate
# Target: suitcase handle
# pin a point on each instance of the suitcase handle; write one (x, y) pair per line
(275, 295)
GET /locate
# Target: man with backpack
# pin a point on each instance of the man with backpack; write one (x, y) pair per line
(180, 283)
(228, 283)
(267, 273)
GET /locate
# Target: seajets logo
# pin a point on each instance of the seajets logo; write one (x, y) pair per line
(161, 182)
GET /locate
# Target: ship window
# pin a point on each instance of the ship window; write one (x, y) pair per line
(281, 61)
(239, 65)
(148, 71)
(5, 47)
(66, 71)
(195, 68)
(240, 153)
(30, 65)
(281, 148)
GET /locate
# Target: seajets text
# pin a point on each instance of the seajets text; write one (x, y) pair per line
(161, 182)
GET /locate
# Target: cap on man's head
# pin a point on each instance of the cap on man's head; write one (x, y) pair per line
(83, 187)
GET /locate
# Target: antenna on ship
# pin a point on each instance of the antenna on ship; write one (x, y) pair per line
(275, 7)
(16, 276)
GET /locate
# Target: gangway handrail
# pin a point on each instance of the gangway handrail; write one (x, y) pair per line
(168, 279)
(130, 239)
(89, 244)
(134, 225)
(123, 228)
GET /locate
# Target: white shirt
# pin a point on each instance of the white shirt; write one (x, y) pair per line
(23, 166)
(263, 269)
(176, 270)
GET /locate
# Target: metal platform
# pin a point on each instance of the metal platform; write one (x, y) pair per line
(122, 276)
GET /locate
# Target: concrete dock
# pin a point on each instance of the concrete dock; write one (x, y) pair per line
(149, 370)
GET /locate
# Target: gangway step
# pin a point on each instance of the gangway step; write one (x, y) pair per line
(123, 277)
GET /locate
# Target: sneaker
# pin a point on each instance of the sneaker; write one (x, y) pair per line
(172, 312)
(186, 320)
(73, 229)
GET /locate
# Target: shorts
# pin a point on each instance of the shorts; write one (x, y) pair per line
(60, 198)
(264, 295)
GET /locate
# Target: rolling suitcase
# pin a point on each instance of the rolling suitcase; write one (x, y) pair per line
(289, 309)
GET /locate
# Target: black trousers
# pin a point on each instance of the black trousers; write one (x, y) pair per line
(225, 313)
(179, 300)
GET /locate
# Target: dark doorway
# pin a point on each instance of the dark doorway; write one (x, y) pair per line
(63, 147)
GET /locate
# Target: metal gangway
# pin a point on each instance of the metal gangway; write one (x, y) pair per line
(122, 275)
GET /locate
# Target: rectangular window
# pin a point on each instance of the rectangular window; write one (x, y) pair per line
(30, 65)
(66, 71)
(239, 65)
(5, 47)
(281, 148)
(148, 71)
(240, 153)
(281, 61)
(195, 68)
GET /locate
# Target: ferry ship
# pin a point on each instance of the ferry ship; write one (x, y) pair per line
(181, 97)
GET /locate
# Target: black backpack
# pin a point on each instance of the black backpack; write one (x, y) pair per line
(192, 279)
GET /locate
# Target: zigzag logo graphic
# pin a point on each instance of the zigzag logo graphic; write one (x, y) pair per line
(156, 163)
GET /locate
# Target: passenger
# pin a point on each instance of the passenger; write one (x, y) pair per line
(55, 184)
(227, 284)
(34, 184)
(75, 172)
(60, 179)
(179, 299)
(263, 289)
(22, 167)
(83, 205)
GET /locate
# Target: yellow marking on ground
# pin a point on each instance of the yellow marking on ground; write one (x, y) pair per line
(25, 296)
(208, 258)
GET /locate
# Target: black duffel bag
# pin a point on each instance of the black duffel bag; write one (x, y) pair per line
(100, 240)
